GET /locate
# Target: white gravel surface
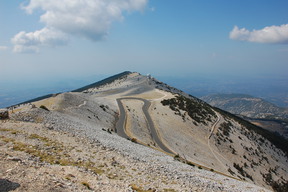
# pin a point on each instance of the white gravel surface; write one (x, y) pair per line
(192, 178)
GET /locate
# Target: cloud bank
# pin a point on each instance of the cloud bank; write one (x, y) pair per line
(90, 19)
(271, 34)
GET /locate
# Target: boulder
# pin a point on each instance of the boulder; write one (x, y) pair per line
(4, 114)
(6, 185)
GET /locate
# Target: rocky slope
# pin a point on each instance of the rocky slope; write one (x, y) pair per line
(217, 151)
(36, 158)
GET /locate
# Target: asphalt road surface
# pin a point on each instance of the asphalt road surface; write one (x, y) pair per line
(121, 124)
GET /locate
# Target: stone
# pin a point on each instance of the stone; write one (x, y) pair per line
(14, 159)
(6, 185)
(4, 114)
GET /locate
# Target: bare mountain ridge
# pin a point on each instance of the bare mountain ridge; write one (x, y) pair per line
(193, 131)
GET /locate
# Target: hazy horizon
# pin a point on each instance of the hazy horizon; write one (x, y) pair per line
(274, 91)
(57, 46)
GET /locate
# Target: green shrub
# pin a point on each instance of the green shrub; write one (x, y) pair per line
(190, 163)
(279, 141)
(176, 157)
(86, 185)
(44, 107)
(196, 109)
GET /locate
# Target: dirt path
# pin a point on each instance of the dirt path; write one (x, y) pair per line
(211, 133)
(214, 125)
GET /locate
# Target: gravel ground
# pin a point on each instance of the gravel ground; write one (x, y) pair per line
(137, 167)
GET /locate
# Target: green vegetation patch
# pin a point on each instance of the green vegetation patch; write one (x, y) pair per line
(277, 140)
(225, 127)
(12, 131)
(86, 184)
(35, 136)
(277, 186)
(196, 109)
(242, 171)
(2, 129)
(44, 107)
(136, 188)
(104, 81)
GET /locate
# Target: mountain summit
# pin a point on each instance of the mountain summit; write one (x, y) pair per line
(169, 139)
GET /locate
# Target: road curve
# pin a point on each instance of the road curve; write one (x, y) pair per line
(121, 123)
(121, 126)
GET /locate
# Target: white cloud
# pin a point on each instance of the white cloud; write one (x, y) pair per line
(3, 48)
(271, 34)
(30, 42)
(90, 19)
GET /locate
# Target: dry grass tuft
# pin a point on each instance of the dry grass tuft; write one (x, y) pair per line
(136, 188)
(86, 184)
(50, 152)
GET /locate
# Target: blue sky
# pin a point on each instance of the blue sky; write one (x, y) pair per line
(51, 39)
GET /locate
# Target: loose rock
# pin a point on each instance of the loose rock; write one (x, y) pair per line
(4, 114)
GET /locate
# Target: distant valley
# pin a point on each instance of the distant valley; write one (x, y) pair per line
(273, 90)
(256, 110)
(247, 105)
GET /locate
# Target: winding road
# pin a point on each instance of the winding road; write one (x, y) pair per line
(121, 127)
(121, 124)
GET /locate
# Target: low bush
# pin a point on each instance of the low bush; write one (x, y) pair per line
(44, 107)
(198, 110)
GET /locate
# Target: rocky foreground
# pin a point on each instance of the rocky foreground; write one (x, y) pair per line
(42, 150)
